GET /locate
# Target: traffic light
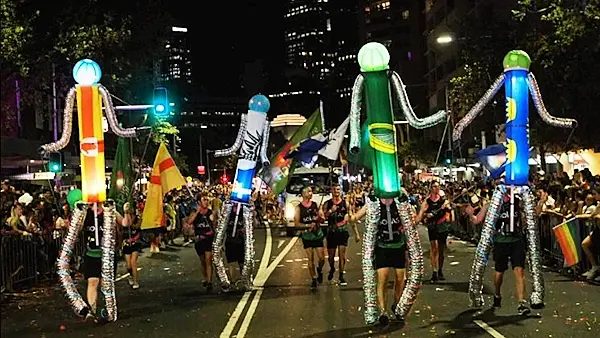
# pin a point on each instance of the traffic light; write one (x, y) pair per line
(224, 179)
(55, 162)
(160, 100)
(448, 157)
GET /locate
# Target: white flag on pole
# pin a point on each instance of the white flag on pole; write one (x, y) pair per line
(334, 142)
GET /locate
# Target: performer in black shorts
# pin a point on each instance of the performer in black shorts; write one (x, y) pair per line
(336, 210)
(390, 253)
(202, 221)
(92, 261)
(436, 213)
(306, 217)
(509, 246)
(234, 242)
(131, 245)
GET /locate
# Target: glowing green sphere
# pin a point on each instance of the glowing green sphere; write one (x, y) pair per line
(373, 57)
(516, 59)
(87, 72)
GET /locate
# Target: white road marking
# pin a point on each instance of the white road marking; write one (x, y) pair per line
(186, 244)
(259, 282)
(246, 322)
(289, 261)
(125, 275)
(280, 243)
(298, 260)
(264, 263)
(488, 329)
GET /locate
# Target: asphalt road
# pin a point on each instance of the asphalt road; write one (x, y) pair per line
(172, 303)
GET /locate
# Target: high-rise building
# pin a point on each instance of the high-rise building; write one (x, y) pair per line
(175, 69)
(398, 24)
(321, 36)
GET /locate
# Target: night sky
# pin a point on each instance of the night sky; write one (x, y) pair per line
(225, 37)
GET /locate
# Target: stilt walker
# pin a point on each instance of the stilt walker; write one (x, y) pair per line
(519, 83)
(252, 139)
(90, 97)
(374, 85)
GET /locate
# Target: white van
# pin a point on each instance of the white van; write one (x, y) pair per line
(319, 180)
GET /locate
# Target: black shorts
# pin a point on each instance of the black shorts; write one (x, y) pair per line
(234, 251)
(390, 258)
(595, 238)
(515, 252)
(92, 267)
(312, 243)
(436, 235)
(128, 249)
(337, 238)
(204, 245)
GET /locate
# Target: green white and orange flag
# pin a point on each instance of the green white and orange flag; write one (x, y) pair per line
(165, 177)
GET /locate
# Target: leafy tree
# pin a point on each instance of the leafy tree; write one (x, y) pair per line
(562, 40)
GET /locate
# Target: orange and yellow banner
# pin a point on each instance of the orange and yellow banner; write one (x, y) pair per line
(165, 177)
(91, 143)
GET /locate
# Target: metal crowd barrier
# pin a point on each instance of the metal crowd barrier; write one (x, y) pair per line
(27, 260)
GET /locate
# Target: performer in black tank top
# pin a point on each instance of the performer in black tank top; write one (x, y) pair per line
(202, 220)
(132, 246)
(336, 210)
(307, 218)
(433, 212)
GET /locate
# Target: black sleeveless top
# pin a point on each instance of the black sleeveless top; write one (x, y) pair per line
(338, 215)
(502, 225)
(384, 240)
(309, 214)
(202, 224)
(435, 208)
(94, 248)
(239, 235)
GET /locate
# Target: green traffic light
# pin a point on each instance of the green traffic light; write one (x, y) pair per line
(448, 161)
(160, 108)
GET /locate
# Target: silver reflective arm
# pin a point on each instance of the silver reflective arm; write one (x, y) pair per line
(410, 115)
(560, 122)
(355, 108)
(265, 144)
(111, 116)
(472, 114)
(67, 126)
(238, 140)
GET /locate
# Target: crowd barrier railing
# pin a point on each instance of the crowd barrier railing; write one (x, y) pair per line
(25, 260)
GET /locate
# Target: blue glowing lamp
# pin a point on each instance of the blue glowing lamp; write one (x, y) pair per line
(87, 72)
(259, 103)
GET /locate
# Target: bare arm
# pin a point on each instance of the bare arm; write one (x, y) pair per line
(360, 214)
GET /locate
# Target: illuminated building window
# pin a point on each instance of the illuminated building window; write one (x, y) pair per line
(405, 14)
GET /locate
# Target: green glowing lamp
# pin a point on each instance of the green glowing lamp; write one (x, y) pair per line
(516, 59)
(373, 57)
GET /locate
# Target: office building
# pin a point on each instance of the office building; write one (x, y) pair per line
(320, 41)
(398, 24)
(175, 69)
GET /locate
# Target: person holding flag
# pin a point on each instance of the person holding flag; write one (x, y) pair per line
(164, 178)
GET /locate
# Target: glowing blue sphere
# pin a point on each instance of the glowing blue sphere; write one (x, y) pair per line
(87, 72)
(259, 103)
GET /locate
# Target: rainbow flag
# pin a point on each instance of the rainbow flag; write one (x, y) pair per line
(567, 234)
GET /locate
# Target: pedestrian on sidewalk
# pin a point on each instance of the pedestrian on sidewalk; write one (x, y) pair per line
(306, 217)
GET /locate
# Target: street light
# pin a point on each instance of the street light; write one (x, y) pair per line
(444, 39)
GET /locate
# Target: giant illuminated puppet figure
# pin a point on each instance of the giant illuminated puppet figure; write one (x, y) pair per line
(518, 82)
(374, 86)
(252, 140)
(90, 96)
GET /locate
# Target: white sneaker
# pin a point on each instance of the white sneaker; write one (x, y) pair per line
(135, 286)
(591, 272)
(597, 279)
(130, 280)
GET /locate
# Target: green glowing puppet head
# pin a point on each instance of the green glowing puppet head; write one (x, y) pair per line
(516, 59)
(373, 57)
